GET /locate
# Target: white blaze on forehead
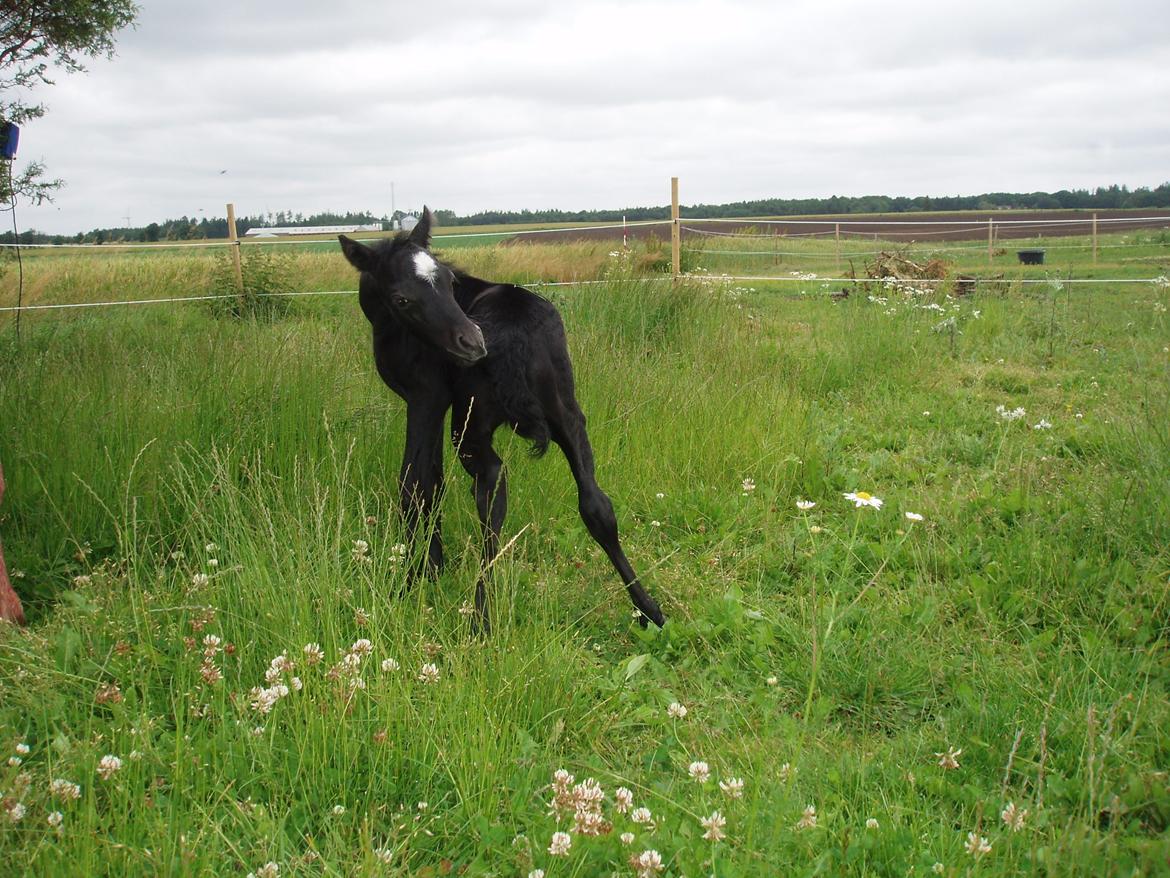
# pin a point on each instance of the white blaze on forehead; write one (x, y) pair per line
(425, 266)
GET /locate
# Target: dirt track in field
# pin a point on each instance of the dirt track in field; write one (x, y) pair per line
(1014, 225)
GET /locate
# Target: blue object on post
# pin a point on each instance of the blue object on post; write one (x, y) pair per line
(9, 137)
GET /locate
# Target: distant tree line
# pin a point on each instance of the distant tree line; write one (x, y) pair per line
(1102, 198)
(187, 228)
(190, 229)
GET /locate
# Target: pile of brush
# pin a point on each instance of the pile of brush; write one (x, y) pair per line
(896, 265)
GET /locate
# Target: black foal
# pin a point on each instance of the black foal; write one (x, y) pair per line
(494, 354)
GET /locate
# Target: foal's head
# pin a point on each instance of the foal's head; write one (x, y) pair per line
(416, 289)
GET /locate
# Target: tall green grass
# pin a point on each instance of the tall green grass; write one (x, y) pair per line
(825, 656)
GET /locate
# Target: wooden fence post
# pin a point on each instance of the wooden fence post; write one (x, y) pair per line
(1094, 238)
(235, 245)
(990, 239)
(675, 231)
(837, 235)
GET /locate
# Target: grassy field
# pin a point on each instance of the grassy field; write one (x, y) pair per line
(235, 685)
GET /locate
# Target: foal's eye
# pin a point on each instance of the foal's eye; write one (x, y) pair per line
(400, 301)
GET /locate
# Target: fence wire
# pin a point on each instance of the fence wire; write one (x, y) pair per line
(921, 228)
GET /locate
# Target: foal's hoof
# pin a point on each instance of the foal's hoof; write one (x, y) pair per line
(657, 618)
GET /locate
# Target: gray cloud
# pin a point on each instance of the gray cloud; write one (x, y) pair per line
(518, 103)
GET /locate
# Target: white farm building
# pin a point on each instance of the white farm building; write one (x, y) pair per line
(278, 231)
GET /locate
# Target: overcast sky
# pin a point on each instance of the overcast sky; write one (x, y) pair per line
(509, 104)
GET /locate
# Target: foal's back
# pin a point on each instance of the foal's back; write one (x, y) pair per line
(526, 377)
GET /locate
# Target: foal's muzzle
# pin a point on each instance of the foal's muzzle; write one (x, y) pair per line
(468, 344)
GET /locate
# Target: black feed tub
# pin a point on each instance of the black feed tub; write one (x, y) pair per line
(1031, 257)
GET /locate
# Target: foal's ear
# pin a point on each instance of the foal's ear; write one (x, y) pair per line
(421, 233)
(359, 255)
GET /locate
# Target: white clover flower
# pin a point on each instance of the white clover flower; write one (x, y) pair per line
(55, 819)
(276, 667)
(1007, 414)
(562, 778)
(199, 580)
(1042, 424)
(772, 680)
(714, 826)
(976, 845)
(676, 710)
(313, 653)
(1013, 817)
(268, 870)
(383, 855)
(808, 820)
(699, 771)
(362, 647)
(950, 759)
(560, 844)
(23, 749)
(108, 765)
(642, 816)
(429, 673)
(389, 665)
(263, 700)
(338, 810)
(536, 873)
(647, 864)
(863, 498)
(623, 800)
(805, 505)
(732, 787)
(749, 485)
(871, 823)
(211, 547)
(64, 789)
(627, 838)
(938, 868)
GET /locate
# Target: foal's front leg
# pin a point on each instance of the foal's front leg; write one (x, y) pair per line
(471, 434)
(421, 480)
(489, 486)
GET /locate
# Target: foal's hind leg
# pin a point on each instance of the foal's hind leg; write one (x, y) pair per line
(596, 508)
